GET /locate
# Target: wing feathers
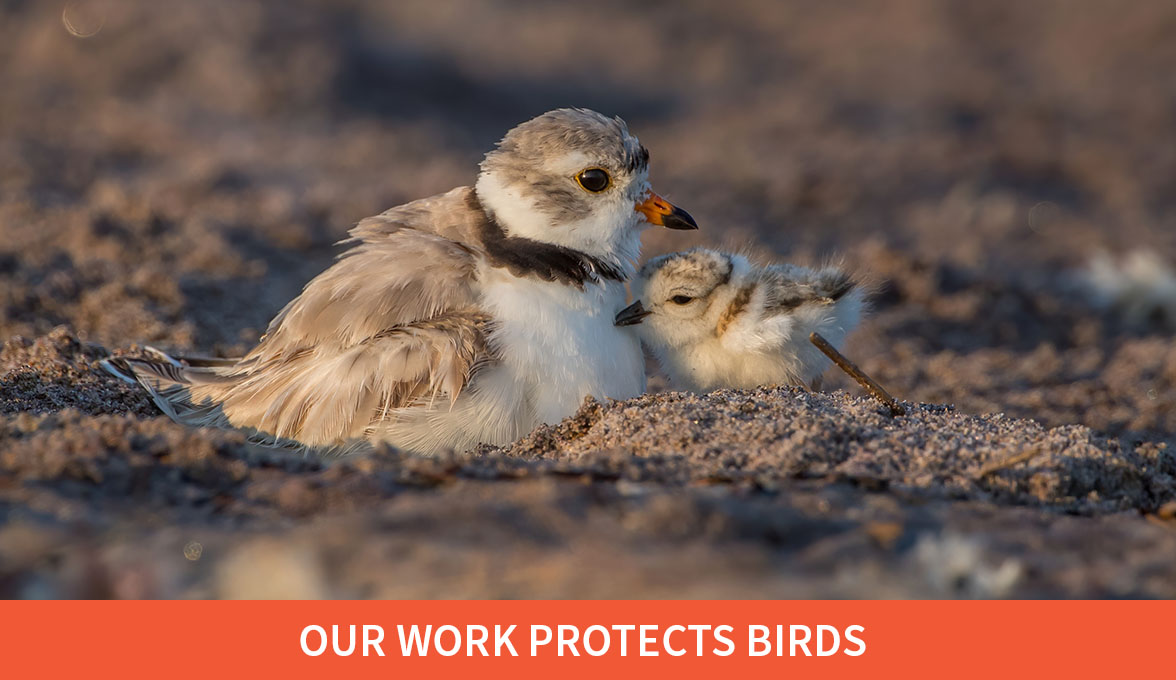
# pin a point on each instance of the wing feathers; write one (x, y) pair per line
(392, 324)
(411, 276)
(325, 398)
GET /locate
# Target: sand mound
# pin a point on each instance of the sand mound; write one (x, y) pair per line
(774, 491)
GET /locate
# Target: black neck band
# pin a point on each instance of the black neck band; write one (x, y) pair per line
(546, 261)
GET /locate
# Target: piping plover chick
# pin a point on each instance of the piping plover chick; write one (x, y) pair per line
(715, 320)
(471, 316)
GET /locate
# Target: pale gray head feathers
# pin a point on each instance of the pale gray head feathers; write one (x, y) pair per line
(529, 184)
(526, 155)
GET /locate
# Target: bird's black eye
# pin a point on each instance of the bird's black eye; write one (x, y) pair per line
(681, 299)
(594, 180)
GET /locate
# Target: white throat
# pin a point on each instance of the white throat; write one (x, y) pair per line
(612, 232)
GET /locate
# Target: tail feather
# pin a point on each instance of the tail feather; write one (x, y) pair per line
(168, 381)
(192, 362)
(323, 397)
(119, 369)
(162, 357)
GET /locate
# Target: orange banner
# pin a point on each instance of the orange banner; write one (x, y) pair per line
(584, 639)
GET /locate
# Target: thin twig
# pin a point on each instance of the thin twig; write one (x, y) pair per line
(1009, 461)
(857, 374)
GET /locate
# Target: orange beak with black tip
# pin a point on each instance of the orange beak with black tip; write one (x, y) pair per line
(661, 212)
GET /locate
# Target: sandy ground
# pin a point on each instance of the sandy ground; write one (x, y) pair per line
(178, 175)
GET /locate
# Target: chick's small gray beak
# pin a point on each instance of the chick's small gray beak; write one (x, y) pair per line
(631, 315)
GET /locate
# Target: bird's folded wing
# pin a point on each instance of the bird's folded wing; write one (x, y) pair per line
(408, 264)
(393, 323)
(767, 315)
(323, 397)
(791, 286)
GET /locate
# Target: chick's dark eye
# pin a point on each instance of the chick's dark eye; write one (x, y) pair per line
(681, 299)
(593, 179)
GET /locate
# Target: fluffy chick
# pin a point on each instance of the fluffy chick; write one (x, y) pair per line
(715, 320)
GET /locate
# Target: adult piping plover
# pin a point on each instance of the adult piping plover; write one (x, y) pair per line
(472, 316)
(715, 320)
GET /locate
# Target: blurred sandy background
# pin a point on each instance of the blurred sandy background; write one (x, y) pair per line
(172, 173)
